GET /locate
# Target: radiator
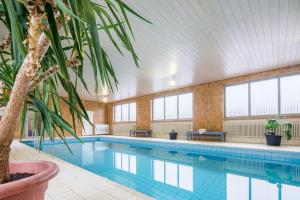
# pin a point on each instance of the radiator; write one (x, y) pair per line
(254, 129)
(101, 129)
(162, 129)
(122, 129)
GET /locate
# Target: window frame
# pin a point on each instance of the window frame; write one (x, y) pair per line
(278, 78)
(172, 120)
(114, 113)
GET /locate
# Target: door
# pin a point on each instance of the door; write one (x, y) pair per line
(87, 128)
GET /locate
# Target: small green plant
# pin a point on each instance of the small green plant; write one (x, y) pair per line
(271, 127)
(287, 129)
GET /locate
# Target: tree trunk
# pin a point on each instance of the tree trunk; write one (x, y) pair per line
(9, 119)
(14, 107)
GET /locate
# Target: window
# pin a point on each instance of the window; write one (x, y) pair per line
(118, 113)
(185, 106)
(125, 112)
(236, 98)
(290, 94)
(264, 97)
(173, 107)
(158, 109)
(132, 114)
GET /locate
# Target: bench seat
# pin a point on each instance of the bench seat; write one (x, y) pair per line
(140, 133)
(206, 136)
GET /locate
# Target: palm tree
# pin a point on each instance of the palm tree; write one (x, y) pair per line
(46, 41)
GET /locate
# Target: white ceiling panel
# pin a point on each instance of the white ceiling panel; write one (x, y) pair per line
(196, 41)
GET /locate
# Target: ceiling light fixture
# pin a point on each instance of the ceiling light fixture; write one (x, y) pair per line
(104, 99)
(173, 81)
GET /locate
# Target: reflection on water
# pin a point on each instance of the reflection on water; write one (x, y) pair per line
(174, 175)
(243, 187)
(125, 162)
(177, 175)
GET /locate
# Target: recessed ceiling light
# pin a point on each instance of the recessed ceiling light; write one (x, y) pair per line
(104, 99)
(172, 82)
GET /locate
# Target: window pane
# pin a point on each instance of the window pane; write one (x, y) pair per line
(236, 100)
(125, 162)
(132, 166)
(290, 192)
(118, 161)
(118, 113)
(185, 105)
(159, 170)
(125, 113)
(235, 181)
(171, 174)
(262, 189)
(158, 109)
(132, 115)
(264, 97)
(290, 94)
(171, 107)
(186, 177)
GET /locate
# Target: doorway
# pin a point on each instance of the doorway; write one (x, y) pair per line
(87, 128)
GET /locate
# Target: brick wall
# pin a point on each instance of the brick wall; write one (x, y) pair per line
(100, 115)
(208, 102)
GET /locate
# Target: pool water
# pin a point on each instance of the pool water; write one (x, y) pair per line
(168, 174)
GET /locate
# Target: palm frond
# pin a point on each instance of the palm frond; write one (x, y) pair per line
(81, 21)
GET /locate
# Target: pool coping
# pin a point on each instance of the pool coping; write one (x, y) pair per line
(255, 146)
(279, 155)
(92, 186)
(284, 148)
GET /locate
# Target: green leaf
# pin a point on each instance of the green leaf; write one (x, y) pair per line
(55, 41)
(23, 120)
(66, 10)
(133, 12)
(17, 34)
(92, 27)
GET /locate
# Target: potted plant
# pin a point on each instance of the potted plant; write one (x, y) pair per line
(271, 128)
(173, 135)
(45, 43)
(287, 129)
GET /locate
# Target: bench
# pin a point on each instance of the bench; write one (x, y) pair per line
(206, 136)
(140, 133)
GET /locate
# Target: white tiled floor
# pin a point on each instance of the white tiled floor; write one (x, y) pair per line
(222, 144)
(74, 183)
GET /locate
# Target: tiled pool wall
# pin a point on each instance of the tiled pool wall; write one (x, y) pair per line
(234, 152)
(231, 152)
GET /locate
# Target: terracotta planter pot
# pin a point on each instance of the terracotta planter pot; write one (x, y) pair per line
(33, 187)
